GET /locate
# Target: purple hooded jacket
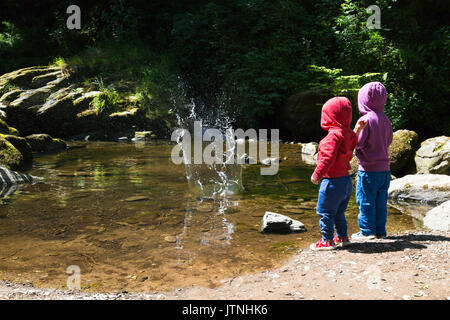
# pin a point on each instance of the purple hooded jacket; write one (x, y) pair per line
(375, 138)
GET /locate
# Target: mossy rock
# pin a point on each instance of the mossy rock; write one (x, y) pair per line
(22, 145)
(401, 152)
(354, 166)
(5, 129)
(23, 77)
(10, 157)
(45, 143)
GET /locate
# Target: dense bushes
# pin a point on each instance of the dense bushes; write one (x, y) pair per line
(244, 58)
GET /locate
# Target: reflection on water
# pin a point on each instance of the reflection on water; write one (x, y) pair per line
(124, 214)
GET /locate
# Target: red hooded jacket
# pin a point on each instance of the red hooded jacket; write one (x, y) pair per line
(336, 149)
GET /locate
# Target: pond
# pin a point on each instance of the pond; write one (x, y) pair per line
(123, 213)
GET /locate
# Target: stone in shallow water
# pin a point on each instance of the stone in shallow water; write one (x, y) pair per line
(136, 198)
(275, 222)
(142, 136)
(170, 239)
(310, 148)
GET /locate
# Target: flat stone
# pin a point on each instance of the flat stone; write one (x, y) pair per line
(433, 188)
(136, 198)
(310, 148)
(170, 239)
(275, 222)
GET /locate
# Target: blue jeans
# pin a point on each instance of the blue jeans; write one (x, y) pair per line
(371, 197)
(334, 194)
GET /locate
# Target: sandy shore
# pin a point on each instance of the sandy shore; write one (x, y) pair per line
(410, 265)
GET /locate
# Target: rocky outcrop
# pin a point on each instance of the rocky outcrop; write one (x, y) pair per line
(433, 156)
(428, 188)
(50, 100)
(438, 218)
(301, 114)
(401, 151)
(278, 223)
(45, 143)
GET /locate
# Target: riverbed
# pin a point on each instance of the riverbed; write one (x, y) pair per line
(124, 214)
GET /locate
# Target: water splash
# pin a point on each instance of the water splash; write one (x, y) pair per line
(212, 185)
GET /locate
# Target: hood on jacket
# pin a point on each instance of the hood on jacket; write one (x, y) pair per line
(372, 97)
(336, 113)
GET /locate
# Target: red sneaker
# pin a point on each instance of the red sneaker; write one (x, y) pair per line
(323, 245)
(341, 241)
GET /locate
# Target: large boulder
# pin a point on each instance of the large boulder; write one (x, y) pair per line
(401, 151)
(438, 218)
(28, 90)
(301, 114)
(427, 188)
(10, 157)
(433, 156)
(45, 143)
(278, 223)
(22, 145)
(57, 115)
(24, 77)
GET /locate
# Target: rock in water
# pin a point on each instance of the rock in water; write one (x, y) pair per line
(433, 156)
(10, 157)
(45, 143)
(275, 222)
(310, 148)
(438, 218)
(142, 136)
(433, 188)
(9, 177)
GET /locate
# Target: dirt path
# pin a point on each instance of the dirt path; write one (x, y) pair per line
(410, 265)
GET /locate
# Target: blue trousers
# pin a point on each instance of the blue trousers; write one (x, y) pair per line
(371, 197)
(334, 194)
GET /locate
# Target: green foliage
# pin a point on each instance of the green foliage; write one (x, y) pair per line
(9, 38)
(338, 84)
(107, 101)
(242, 58)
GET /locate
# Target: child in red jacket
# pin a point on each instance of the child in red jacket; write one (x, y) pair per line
(333, 165)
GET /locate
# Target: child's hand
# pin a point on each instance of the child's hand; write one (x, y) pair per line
(314, 180)
(359, 126)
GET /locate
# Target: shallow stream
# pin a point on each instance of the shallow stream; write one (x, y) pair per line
(123, 213)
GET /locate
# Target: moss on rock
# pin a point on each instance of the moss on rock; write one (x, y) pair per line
(22, 145)
(5, 129)
(10, 157)
(401, 151)
(45, 143)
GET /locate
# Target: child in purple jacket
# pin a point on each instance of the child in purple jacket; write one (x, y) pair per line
(374, 174)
